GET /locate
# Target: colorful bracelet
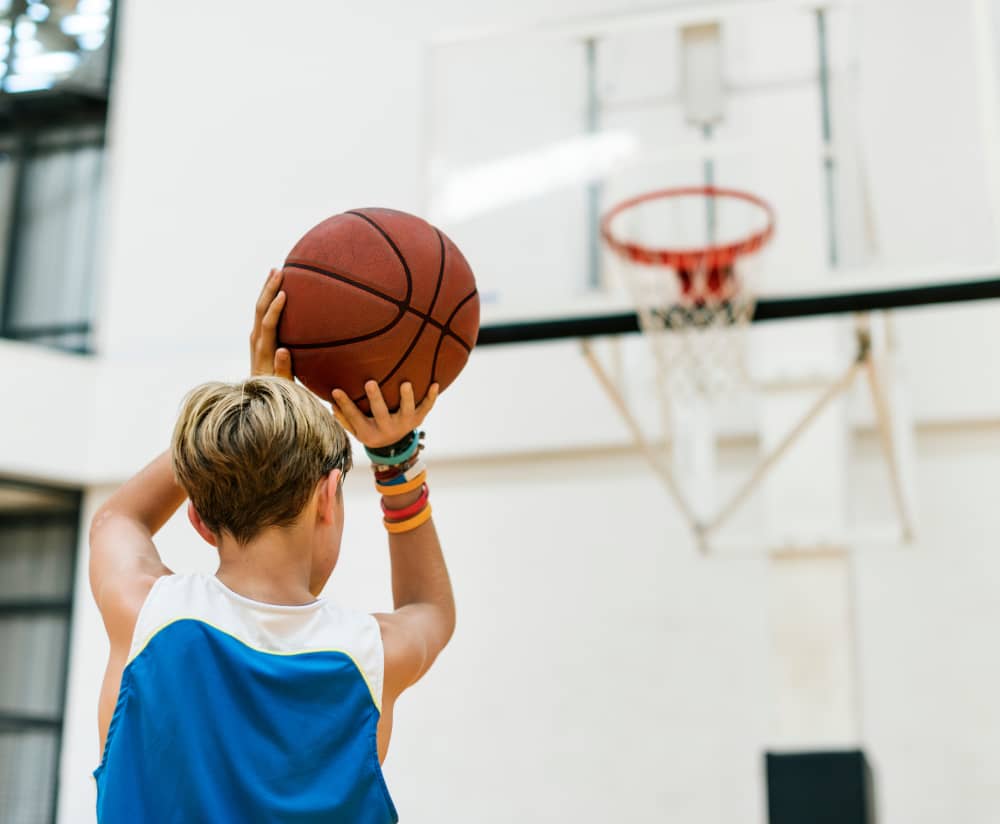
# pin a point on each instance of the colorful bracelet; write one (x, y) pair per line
(421, 518)
(402, 477)
(402, 489)
(407, 511)
(385, 473)
(397, 453)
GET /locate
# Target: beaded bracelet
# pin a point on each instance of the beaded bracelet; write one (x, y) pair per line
(402, 489)
(421, 518)
(407, 511)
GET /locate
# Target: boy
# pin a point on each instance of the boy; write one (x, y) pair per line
(246, 696)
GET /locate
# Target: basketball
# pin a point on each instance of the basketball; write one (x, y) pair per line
(377, 294)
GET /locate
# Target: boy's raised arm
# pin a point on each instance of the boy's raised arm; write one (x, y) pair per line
(423, 619)
(424, 616)
(124, 562)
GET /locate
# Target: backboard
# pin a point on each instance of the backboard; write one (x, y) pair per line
(820, 108)
(532, 135)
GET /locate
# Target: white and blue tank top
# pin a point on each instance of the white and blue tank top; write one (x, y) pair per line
(232, 710)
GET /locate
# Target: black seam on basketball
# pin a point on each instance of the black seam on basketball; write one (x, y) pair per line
(409, 278)
(364, 287)
(400, 309)
(427, 319)
(451, 317)
(331, 344)
(398, 304)
(341, 342)
(437, 349)
(395, 248)
(447, 330)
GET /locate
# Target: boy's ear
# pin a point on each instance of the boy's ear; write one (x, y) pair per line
(329, 496)
(199, 525)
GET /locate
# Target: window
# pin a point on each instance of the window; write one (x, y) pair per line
(38, 540)
(54, 75)
(53, 195)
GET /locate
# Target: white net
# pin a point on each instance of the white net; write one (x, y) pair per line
(690, 262)
(699, 347)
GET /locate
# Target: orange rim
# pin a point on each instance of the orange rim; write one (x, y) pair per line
(710, 258)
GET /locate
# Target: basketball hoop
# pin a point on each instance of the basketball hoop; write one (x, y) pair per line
(702, 288)
(695, 300)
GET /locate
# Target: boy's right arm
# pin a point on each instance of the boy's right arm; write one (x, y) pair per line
(423, 619)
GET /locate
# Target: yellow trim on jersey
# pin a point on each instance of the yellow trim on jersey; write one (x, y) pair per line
(158, 630)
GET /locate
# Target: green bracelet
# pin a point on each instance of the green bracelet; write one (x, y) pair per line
(396, 453)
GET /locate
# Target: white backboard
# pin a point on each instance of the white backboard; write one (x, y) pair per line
(532, 134)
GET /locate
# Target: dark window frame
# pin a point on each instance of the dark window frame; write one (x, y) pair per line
(70, 516)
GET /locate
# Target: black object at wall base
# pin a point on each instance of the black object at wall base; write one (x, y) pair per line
(834, 787)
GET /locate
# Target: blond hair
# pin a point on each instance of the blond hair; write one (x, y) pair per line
(250, 454)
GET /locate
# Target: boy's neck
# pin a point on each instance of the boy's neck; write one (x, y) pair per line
(274, 568)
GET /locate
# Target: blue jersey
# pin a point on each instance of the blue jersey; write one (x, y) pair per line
(232, 710)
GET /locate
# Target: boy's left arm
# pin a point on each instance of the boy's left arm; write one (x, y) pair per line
(124, 562)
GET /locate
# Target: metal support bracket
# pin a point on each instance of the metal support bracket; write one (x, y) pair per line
(863, 361)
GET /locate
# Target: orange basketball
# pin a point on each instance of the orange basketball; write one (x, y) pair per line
(376, 294)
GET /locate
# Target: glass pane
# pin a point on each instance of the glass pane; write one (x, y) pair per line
(33, 649)
(54, 264)
(55, 44)
(36, 560)
(27, 776)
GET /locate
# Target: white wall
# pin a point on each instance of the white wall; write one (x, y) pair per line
(601, 670)
(45, 413)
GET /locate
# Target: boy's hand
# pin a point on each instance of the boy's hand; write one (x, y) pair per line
(265, 359)
(382, 427)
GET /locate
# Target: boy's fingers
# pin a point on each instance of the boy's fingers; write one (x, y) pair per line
(271, 285)
(273, 313)
(380, 412)
(406, 402)
(347, 409)
(283, 364)
(267, 335)
(428, 402)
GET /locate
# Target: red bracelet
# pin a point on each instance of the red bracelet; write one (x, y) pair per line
(407, 511)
